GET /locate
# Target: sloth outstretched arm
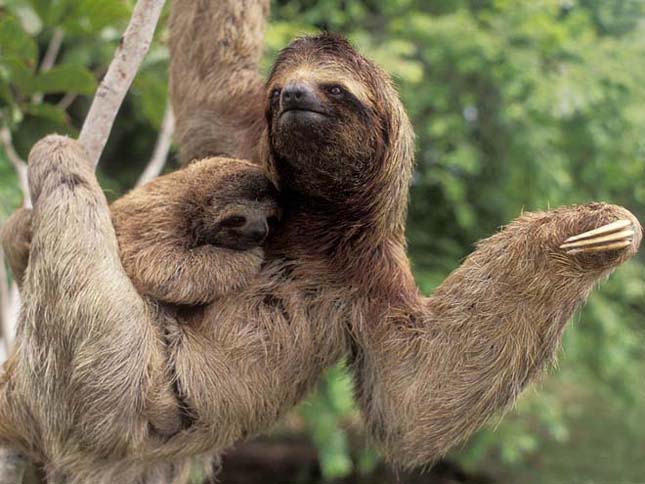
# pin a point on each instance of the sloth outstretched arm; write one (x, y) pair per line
(216, 91)
(433, 370)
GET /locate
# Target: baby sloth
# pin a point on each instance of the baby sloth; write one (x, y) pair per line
(196, 234)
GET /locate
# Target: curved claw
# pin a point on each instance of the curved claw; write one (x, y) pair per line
(613, 236)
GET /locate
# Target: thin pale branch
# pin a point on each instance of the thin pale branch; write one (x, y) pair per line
(52, 50)
(162, 147)
(50, 58)
(133, 47)
(67, 101)
(12, 466)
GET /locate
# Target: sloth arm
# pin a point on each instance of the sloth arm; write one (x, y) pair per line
(88, 367)
(432, 370)
(170, 272)
(156, 252)
(216, 90)
(16, 242)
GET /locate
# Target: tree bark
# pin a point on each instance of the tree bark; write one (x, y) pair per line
(133, 47)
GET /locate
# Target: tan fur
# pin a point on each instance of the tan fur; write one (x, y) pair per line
(91, 365)
(16, 242)
(161, 229)
(158, 228)
(217, 95)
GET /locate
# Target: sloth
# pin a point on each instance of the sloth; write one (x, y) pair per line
(184, 238)
(96, 366)
(196, 234)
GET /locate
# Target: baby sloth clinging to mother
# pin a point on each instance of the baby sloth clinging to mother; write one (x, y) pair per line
(196, 234)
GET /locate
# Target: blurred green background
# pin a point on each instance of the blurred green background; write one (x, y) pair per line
(517, 105)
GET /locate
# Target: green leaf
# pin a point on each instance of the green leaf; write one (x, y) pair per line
(46, 111)
(49, 11)
(65, 78)
(334, 456)
(10, 195)
(34, 127)
(150, 91)
(15, 43)
(367, 461)
(15, 72)
(91, 16)
(5, 93)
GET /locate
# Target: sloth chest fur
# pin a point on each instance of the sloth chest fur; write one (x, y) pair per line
(253, 356)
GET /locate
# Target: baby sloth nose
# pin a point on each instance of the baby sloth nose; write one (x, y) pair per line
(256, 231)
(298, 95)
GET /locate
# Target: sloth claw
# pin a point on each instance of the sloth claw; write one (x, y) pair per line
(614, 236)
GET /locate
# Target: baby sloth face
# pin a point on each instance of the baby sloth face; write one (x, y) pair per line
(240, 212)
(244, 225)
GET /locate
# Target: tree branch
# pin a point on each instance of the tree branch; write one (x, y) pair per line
(67, 101)
(12, 466)
(49, 59)
(162, 147)
(114, 86)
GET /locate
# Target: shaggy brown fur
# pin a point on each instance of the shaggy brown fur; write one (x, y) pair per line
(184, 238)
(90, 364)
(217, 95)
(194, 235)
(16, 242)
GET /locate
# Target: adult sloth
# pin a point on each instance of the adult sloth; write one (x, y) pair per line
(88, 382)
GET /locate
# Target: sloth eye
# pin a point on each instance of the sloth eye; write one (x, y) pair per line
(275, 93)
(335, 90)
(234, 221)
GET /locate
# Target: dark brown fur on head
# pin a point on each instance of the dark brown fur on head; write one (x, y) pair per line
(234, 211)
(348, 148)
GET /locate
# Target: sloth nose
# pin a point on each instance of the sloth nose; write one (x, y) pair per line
(256, 231)
(298, 95)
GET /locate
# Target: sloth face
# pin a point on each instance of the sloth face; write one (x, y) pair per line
(327, 128)
(238, 213)
(243, 225)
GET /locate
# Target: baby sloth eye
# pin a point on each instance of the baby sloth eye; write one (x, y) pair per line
(233, 222)
(275, 94)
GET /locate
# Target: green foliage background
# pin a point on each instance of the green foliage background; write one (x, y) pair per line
(517, 105)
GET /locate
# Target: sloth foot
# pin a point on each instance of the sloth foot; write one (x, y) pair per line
(57, 160)
(614, 236)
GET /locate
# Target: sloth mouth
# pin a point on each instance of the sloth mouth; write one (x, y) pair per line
(298, 110)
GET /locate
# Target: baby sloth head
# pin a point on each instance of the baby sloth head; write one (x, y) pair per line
(335, 123)
(238, 212)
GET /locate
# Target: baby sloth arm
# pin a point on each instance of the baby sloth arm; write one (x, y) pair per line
(195, 234)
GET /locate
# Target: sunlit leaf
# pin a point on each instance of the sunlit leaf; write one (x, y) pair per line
(64, 78)
(15, 43)
(46, 111)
